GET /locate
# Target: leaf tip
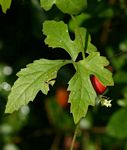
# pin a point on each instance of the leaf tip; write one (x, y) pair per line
(8, 110)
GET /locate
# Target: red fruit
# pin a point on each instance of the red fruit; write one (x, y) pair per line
(98, 86)
(62, 97)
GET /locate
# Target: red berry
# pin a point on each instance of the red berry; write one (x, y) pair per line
(98, 86)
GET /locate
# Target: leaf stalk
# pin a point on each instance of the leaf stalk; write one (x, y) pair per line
(86, 40)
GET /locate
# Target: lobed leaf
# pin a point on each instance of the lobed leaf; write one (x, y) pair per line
(96, 64)
(58, 37)
(82, 93)
(90, 46)
(66, 6)
(37, 76)
(78, 20)
(80, 37)
(5, 4)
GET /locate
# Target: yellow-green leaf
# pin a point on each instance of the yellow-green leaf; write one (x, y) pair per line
(5, 4)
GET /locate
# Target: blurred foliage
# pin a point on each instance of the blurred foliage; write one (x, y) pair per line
(43, 124)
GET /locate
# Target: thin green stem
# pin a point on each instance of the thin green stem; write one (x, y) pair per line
(86, 43)
(86, 40)
(83, 54)
(73, 18)
(74, 137)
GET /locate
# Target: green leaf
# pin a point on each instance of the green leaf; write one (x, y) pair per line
(82, 92)
(37, 76)
(90, 47)
(78, 21)
(66, 6)
(58, 37)
(117, 126)
(5, 5)
(80, 36)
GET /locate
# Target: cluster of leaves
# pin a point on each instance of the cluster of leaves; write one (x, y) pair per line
(42, 73)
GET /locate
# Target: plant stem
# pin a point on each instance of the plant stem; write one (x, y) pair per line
(74, 137)
(83, 54)
(86, 40)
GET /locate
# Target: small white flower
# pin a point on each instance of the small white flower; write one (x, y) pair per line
(106, 103)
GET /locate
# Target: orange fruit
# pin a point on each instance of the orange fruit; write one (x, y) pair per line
(62, 97)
